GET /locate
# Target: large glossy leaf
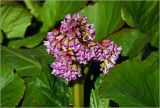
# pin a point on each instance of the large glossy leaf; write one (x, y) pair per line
(32, 66)
(28, 42)
(133, 83)
(131, 40)
(12, 87)
(143, 15)
(106, 17)
(14, 19)
(33, 6)
(52, 95)
(53, 11)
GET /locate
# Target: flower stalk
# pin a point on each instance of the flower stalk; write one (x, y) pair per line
(78, 90)
(78, 93)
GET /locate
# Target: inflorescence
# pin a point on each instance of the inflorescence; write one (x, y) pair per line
(73, 44)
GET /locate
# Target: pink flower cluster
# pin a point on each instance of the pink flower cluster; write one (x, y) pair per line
(72, 44)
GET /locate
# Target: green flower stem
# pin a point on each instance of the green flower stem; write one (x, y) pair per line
(78, 94)
(78, 91)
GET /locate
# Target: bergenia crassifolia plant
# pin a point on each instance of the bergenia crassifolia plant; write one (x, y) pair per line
(73, 45)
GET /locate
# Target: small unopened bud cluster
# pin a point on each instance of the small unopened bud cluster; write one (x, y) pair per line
(72, 44)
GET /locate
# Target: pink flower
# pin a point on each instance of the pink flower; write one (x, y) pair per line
(73, 44)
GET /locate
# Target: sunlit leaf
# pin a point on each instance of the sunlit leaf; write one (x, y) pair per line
(32, 66)
(28, 42)
(12, 87)
(14, 19)
(143, 15)
(53, 11)
(34, 7)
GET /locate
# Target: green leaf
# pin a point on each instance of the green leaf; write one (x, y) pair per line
(131, 40)
(106, 17)
(155, 35)
(143, 15)
(12, 87)
(34, 7)
(133, 83)
(29, 42)
(43, 95)
(126, 15)
(53, 11)
(95, 101)
(32, 66)
(1, 37)
(14, 19)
